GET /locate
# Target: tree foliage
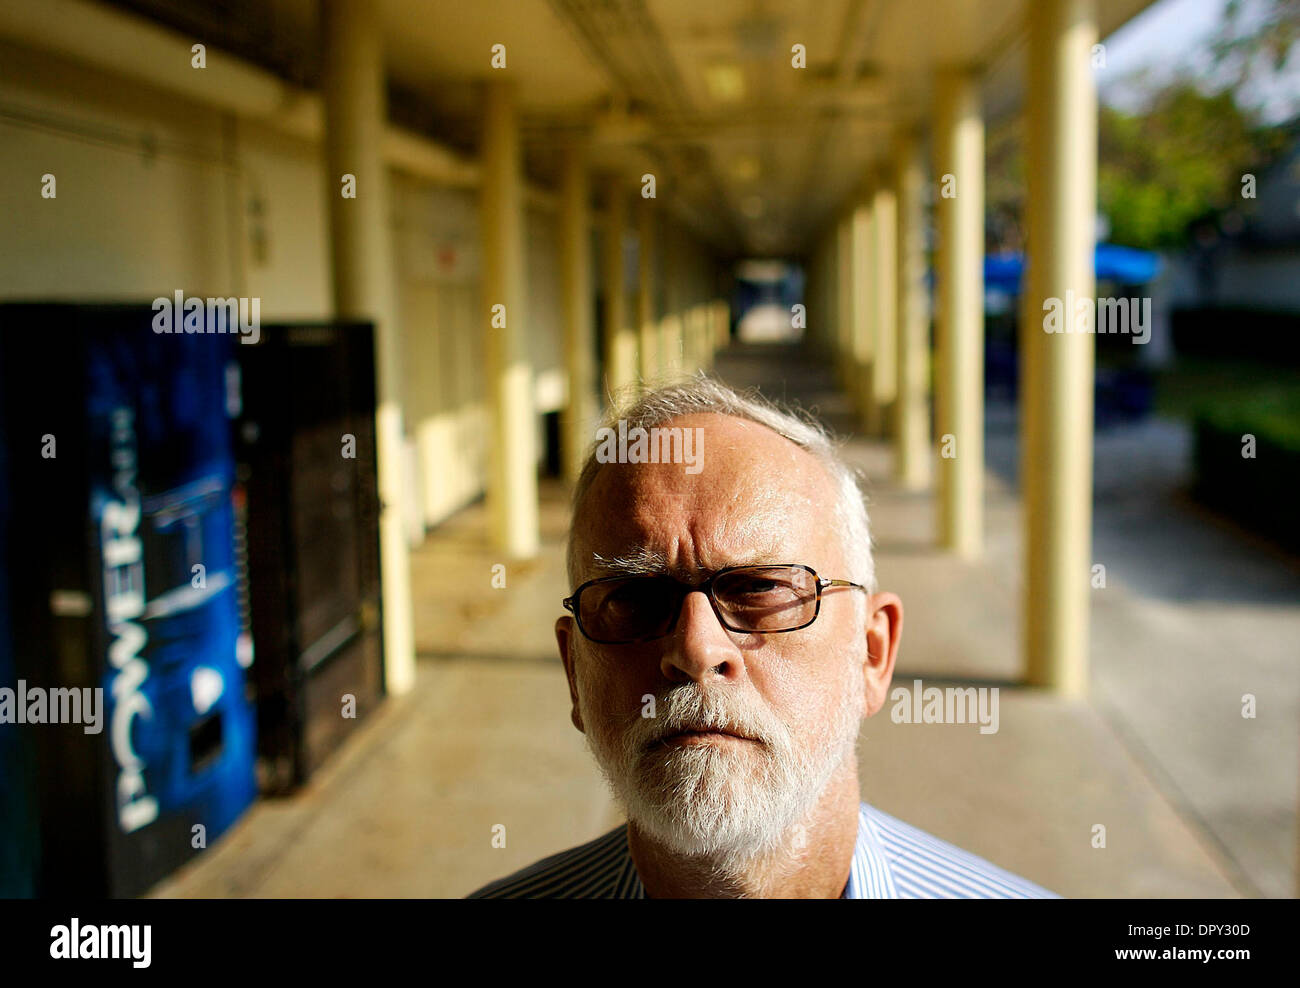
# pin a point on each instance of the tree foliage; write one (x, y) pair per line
(1180, 161)
(1261, 43)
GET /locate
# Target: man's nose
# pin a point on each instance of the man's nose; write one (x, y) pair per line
(700, 647)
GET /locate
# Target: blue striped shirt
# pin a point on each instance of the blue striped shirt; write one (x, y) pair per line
(891, 860)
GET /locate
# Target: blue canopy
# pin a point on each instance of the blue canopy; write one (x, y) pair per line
(1127, 265)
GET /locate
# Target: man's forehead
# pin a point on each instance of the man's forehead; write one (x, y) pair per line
(729, 451)
(759, 498)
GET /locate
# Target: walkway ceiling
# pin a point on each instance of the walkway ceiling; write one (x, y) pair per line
(753, 155)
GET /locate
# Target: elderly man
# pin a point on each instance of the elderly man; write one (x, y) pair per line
(725, 642)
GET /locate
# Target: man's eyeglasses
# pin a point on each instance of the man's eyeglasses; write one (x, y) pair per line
(762, 599)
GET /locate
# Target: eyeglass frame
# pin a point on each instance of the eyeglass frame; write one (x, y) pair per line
(570, 603)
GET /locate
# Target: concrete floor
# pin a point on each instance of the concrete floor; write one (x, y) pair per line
(1196, 801)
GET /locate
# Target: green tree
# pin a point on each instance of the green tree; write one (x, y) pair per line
(1256, 39)
(1179, 161)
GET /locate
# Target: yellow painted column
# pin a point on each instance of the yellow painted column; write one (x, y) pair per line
(825, 300)
(819, 309)
(819, 305)
(845, 366)
(699, 346)
(862, 313)
(651, 365)
(1057, 396)
(676, 345)
(884, 281)
(811, 290)
(673, 345)
(708, 336)
(691, 331)
(704, 308)
(579, 353)
(620, 341)
(911, 403)
(512, 477)
(719, 287)
(959, 209)
(361, 251)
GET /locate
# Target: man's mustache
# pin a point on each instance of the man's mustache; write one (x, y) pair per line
(688, 709)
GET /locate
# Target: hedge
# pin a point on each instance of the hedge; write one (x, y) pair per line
(1261, 493)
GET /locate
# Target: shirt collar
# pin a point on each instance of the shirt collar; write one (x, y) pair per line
(870, 876)
(869, 872)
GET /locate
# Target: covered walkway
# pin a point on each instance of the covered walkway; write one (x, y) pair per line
(537, 202)
(484, 738)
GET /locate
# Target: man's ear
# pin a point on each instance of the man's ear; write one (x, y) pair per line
(564, 638)
(884, 629)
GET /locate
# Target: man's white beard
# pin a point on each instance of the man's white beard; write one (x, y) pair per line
(728, 802)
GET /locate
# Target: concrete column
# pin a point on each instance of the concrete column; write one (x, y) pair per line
(704, 308)
(862, 313)
(911, 404)
(694, 302)
(691, 341)
(694, 332)
(721, 288)
(620, 341)
(819, 306)
(579, 344)
(706, 329)
(512, 478)
(826, 304)
(811, 289)
(884, 281)
(825, 299)
(846, 369)
(361, 251)
(676, 348)
(1057, 369)
(819, 301)
(647, 318)
(959, 209)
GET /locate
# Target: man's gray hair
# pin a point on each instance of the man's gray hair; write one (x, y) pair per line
(701, 394)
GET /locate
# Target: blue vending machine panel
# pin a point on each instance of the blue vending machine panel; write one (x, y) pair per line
(19, 843)
(150, 514)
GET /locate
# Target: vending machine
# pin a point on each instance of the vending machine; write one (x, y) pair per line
(19, 843)
(305, 449)
(121, 577)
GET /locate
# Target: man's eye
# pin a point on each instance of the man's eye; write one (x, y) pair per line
(623, 603)
(632, 599)
(756, 587)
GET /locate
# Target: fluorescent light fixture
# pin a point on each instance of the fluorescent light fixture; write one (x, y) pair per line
(725, 82)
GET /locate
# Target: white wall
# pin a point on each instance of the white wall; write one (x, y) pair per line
(284, 224)
(439, 288)
(128, 223)
(544, 323)
(1261, 279)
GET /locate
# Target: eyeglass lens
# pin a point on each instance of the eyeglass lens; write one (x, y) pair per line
(753, 599)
